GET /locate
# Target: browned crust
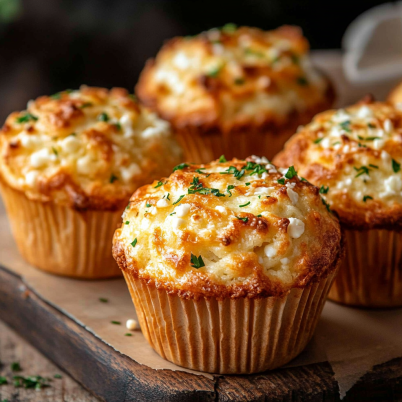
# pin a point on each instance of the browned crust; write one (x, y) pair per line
(395, 96)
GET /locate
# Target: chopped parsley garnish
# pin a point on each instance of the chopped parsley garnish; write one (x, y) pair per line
(362, 170)
(200, 170)
(233, 170)
(147, 204)
(213, 73)
(55, 151)
(336, 143)
(3, 380)
(26, 118)
(57, 95)
(229, 28)
(127, 222)
(303, 179)
(15, 366)
(197, 262)
(346, 126)
(34, 381)
(167, 196)
(160, 183)
(172, 213)
(396, 167)
(239, 81)
(244, 205)
(291, 173)
(197, 187)
(326, 204)
(281, 181)
(113, 178)
(57, 376)
(302, 81)
(103, 300)
(134, 242)
(247, 184)
(115, 322)
(255, 167)
(318, 140)
(373, 166)
(367, 197)
(367, 138)
(103, 117)
(118, 126)
(324, 190)
(222, 159)
(371, 125)
(230, 187)
(259, 216)
(179, 199)
(245, 220)
(180, 167)
(88, 104)
(128, 334)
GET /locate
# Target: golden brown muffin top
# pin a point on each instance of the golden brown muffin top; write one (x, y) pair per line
(87, 148)
(228, 229)
(354, 155)
(234, 78)
(395, 96)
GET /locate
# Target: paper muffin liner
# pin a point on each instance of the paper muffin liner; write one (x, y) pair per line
(230, 336)
(371, 273)
(203, 148)
(61, 240)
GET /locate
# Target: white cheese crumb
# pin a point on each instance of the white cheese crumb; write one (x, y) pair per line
(378, 143)
(126, 125)
(294, 197)
(130, 171)
(40, 158)
(31, 177)
(270, 250)
(221, 209)
(285, 261)
(70, 144)
(162, 203)
(295, 228)
(85, 165)
(364, 112)
(388, 126)
(145, 224)
(177, 222)
(132, 325)
(385, 156)
(182, 210)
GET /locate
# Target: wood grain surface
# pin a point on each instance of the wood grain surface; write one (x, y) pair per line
(114, 377)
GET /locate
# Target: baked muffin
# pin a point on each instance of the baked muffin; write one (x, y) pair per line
(228, 264)
(395, 95)
(68, 166)
(235, 91)
(354, 156)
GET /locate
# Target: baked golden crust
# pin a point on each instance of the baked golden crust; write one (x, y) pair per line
(354, 155)
(86, 149)
(256, 236)
(395, 96)
(230, 79)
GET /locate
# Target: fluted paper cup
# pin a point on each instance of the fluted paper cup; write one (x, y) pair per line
(205, 147)
(61, 240)
(371, 273)
(230, 336)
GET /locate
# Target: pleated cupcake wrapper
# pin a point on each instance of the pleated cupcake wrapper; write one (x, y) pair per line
(203, 148)
(371, 273)
(232, 336)
(61, 240)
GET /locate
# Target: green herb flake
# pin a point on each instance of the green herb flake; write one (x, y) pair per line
(147, 204)
(362, 170)
(318, 140)
(179, 199)
(247, 184)
(367, 197)
(115, 322)
(346, 126)
(200, 170)
(118, 126)
(371, 125)
(55, 151)
(222, 159)
(324, 190)
(58, 376)
(245, 220)
(127, 222)
(26, 118)
(34, 381)
(281, 181)
(303, 179)
(291, 173)
(229, 28)
(244, 205)
(180, 167)
(230, 187)
(3, 380)
(15, 366)
(214, 72)
(103, 117)
(396, 167)
(259, 216)
(373, 166)
(197, 262)
(89, 104)
(113, 178)
(103, 300)
(160, 183)
(302, 81)
(239, 81)
(128, 334)
(326, 204)
(134, 242)
(173, 213)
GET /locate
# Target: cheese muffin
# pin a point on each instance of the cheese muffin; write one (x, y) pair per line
(395, 95)
(228, 264)
(68, 166)
(354, 155)
(235, 91)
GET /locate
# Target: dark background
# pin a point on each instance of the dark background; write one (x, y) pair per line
(50, 45)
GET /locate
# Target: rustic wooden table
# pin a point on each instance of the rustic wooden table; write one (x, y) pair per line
(15, 349)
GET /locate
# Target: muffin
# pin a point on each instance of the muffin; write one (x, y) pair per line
(354, 155)
(228, 264)
(395, 95)
(68, 166)
(235, 91)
